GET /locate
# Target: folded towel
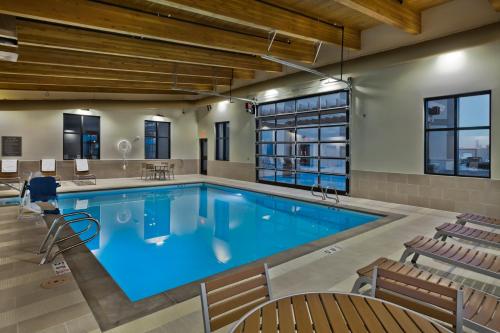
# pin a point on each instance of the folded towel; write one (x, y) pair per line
(81, 204)
(82, 165)
(9, 166)
(48, 165)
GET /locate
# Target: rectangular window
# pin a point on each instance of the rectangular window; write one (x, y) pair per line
(81, 137)
(304, 141)
(156, 140)
(457, 135)
(222, 141)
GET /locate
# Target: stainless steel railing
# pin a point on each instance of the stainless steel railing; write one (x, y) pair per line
(58, 225)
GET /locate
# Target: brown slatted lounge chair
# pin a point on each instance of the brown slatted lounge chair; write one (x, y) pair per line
(471, 234)
(48, 168)
(444, 303)
(82, 171)
(453, 254)
(10, 175)
(481, 310)
(478, 219)
(225, 299)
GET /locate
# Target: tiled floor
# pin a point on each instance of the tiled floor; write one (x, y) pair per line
(26, 307)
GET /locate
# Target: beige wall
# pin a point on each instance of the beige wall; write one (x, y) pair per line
(41, 126)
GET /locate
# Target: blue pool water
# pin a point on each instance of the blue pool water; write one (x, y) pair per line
(156, 239)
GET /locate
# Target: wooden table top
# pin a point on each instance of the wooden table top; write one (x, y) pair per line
(333, 312)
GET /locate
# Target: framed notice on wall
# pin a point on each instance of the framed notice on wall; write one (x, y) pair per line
(12, 146)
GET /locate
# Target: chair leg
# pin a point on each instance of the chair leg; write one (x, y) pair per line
(440, 235)
(405, 255)
(359, 283)
(415, 258)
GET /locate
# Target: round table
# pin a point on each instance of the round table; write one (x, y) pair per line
(337, 312)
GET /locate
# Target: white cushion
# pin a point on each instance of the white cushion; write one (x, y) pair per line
(82, 165)
(9, 166)
(48, 165)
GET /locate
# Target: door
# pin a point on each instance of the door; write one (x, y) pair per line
(203, 156)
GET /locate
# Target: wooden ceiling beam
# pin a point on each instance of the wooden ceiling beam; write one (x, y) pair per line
(389, 12)
(42, 87)
(108, 18)
(49, 35)
(74, 59)
(267, 17)
(78, 82)
(103, 74)
(495, 4)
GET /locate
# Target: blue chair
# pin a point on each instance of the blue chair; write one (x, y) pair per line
(44, 189)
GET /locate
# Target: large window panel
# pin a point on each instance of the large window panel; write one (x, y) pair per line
(333, 117)
(441, 152)
(222, 141)
(266, 109)
(156, 139)
(307, 164)
(286, 135)
(337, 150)
(336, 133)
(267, 162)
(333, 181)
(266, 149)
(285, 107)
(285, 163)
(474, 153)
(81, 136)
(307, 179)
(286, 177)
(307, 135)
(285, 121)
(308, 104)
(266, 136)
(337, 166)
(333, 100)
(307, 149)
(308, 119)
(285, 149)
(267, 175)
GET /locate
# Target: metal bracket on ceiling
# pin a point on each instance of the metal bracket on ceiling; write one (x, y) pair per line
(317, 47)
(272, 36)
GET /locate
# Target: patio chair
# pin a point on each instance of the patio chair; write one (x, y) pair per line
(39, 196)
(444, 303)
(147, 171)
(48, 168)
(226, 298)
(481, 309)
(478, 219)
(82, 171)
(9, 173)
(453, 254)
(479, 236)
(172, 170)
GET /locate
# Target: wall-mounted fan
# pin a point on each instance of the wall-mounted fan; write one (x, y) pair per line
(124, 147)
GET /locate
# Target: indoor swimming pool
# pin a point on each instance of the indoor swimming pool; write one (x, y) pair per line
(158, 238)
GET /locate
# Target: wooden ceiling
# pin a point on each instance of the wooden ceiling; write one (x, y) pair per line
(164, 46)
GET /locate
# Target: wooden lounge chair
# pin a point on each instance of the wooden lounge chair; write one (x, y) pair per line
(82, 171)
(471, 234)
(9, 173)
(481, 310)
(225, 299)
(453, 254)
(48, 168)
(478, 219)
(444, 303)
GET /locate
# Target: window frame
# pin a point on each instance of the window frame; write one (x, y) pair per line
(81, 133)
(224, 138)
(456, 131)
(156, 138)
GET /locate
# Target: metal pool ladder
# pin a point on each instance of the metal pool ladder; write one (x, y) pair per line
(55, 229)
(324, 193)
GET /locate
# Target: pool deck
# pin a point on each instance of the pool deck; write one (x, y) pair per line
(27, 307)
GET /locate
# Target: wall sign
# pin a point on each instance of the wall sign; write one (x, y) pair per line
(12, 145)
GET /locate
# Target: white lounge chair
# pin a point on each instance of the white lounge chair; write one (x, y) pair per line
(9, 173)
(82, 171)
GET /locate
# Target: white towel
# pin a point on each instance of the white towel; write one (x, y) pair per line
(48, 165)
(9, 166)
(81, 204)
(82, 165)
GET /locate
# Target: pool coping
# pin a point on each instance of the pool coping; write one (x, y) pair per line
(112, 308)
